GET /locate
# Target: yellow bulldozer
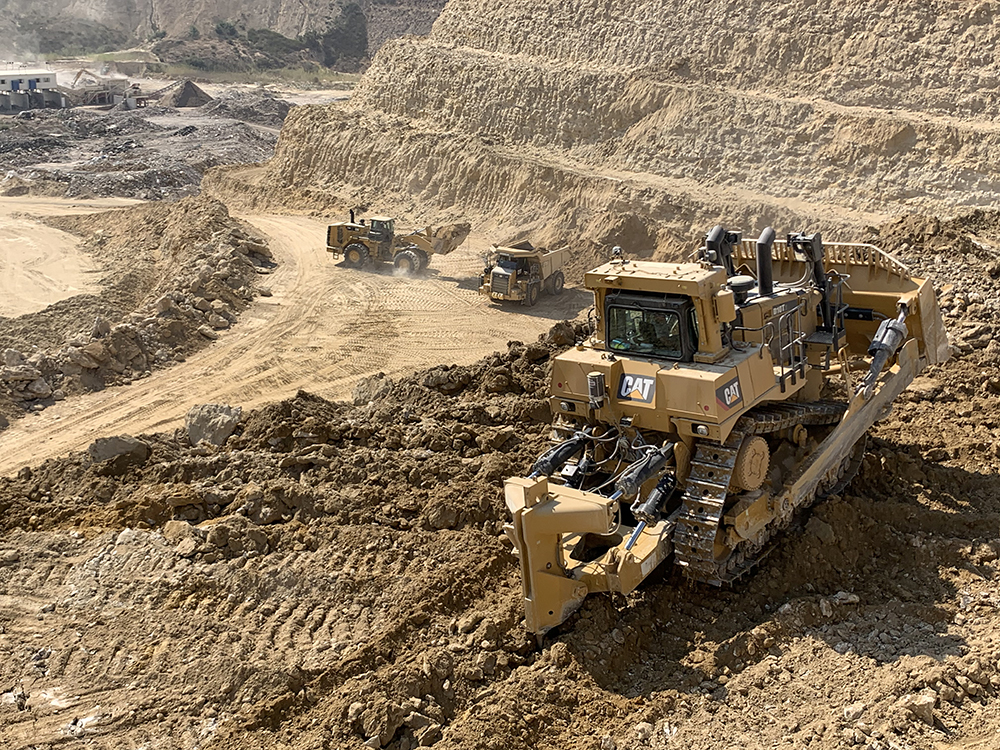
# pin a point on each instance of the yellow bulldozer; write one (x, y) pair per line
(714, 401)
(360, 243)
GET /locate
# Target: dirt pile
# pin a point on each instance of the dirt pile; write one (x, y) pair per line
(308, 468)
(333, 576)
(174, 275)
(260, 106)
(185, 94)
(557, 128)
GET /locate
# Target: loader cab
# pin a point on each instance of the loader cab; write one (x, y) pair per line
(661, 326)
(381, 229)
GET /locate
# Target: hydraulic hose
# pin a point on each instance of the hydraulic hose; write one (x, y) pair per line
(555, 457)
(642, 470)
(635, 476)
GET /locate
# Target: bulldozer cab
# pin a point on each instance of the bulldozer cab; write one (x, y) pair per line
(661, 326)
(381, 229)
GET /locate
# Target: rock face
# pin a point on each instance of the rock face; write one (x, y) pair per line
(176, 18)
(540, 115)
(213, 423)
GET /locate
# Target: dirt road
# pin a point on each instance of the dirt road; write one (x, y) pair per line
(324, 328)
(40, 265)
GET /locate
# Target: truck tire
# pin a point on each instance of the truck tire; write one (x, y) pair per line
(558, 282)
(531, 297)
(407, 262)
(355, 255)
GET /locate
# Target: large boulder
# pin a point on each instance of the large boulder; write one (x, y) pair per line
(107, 448)
(212, 423)
(114, 455)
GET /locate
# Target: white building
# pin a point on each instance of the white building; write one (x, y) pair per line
(27, 79)
(28, 88)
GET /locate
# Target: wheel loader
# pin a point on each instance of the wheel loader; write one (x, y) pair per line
(376, 241)
(715, 400)
(520, 272)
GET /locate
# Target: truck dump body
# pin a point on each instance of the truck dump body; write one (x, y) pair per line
(714, 401)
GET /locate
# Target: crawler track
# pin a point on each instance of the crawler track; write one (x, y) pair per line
(707, 487)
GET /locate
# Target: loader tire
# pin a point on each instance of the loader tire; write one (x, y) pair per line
(407, 262)
(531, 296)
(422, 258)
(558, 282)
(355, 255)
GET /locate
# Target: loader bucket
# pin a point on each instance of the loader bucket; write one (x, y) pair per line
(446, 238)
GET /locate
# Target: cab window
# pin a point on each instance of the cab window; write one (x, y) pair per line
(651, 325)
(653, 332)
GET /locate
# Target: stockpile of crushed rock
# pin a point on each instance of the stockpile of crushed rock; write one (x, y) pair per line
(175, 275)
(259, 106)
(133, 154)
(185, 94)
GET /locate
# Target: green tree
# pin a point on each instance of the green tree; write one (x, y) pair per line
(226, 30)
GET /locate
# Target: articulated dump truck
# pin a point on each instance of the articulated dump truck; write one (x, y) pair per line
(714, 400)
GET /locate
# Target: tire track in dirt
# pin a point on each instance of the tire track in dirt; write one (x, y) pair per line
(171, 616)
(325, 328)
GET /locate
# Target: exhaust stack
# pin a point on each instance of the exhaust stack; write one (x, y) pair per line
(765, 270)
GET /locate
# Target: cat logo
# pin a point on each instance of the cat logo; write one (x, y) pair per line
(636, 388)
(729, 394)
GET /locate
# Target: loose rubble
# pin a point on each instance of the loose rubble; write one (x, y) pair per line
(175, 274)
(338, 572)
(142, 154)
(259, 106)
